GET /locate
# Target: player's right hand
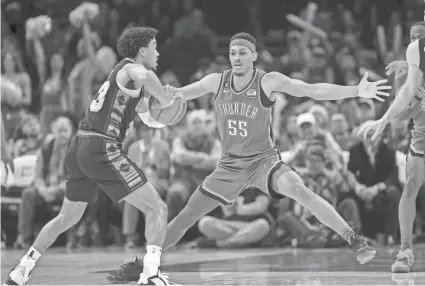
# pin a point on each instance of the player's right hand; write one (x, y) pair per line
(399, 67)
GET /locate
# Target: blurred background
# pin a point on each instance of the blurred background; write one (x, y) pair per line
(51, 67)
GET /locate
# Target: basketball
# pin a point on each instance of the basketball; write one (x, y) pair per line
(170, 115)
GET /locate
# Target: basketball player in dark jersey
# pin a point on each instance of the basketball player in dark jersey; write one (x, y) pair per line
(95, 158)
(410, 99)
(244, 100)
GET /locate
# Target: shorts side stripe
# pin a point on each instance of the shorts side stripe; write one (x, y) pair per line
(207, 192)
(123, 167)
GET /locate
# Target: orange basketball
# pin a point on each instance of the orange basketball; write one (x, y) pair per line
(170, 115)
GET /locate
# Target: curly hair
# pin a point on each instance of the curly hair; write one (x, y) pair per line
(132, 39)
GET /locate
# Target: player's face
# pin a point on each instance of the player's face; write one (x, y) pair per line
(242, 59)
(416, 32)
(150, 57)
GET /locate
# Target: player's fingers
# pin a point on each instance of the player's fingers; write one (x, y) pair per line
(383, 87)
(376, 134)
(380, 99)
(382, 81)
(382, 93)
(361, 129)
(366, 132)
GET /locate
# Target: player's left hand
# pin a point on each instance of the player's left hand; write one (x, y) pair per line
(375, 125)
(367, 89)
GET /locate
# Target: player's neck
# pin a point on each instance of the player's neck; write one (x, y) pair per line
(241, 81)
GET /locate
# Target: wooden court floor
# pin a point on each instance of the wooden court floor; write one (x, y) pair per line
(226, 267)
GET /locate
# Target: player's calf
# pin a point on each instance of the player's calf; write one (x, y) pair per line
(291, 185)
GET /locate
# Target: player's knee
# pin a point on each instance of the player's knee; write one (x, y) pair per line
(160, 208)
(262, 226)
(291, 185)
(206, 223)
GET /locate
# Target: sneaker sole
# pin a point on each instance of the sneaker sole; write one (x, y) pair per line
(400, 269)
(119, 280)
(371, 255)
(9, 282)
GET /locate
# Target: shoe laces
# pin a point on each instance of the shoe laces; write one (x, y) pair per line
(402, 254)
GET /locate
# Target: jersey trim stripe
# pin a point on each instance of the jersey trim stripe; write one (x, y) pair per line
(246, 87)
(270, 139)
(219, 87)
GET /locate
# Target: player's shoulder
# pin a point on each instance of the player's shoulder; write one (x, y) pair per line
(270, 77)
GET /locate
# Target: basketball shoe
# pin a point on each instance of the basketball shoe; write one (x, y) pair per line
(133, 271)
(21, 273)
(363, 250)
(404, 262)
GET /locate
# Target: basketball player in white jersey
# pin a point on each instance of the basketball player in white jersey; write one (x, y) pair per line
(411, 96)
(244, 100)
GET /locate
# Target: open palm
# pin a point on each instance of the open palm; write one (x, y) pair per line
(374, 89)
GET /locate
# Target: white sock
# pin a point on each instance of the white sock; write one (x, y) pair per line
(31, 257)
(152, 260)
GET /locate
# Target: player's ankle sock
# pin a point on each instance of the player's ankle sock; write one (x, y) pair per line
(405, 244)
(30, 258)
(152, 260)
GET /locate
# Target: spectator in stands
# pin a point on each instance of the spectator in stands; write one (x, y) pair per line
(311, 134)
(289, 133)
(318, 69)
(195, 154)
(29, 137)
(374, 165)
(329, 185)
(13, 73)
(339, 129)
(89, 74)
(192, 40)
(349, 70)
(321, 115)
(246, 223)
(152, 155)
(50, 180)
(52, 82)
(399, 135)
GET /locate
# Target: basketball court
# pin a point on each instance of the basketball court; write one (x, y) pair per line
(226, 267)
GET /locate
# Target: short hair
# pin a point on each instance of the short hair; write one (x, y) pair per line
(132, 39)
(244, 36)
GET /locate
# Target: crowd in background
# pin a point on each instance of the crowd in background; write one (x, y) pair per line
(48, 80)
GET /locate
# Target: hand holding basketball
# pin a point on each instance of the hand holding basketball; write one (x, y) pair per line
(172, 113)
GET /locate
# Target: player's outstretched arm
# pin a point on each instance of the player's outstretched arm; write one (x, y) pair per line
(208, 84)
(411, 86)
(277, 82)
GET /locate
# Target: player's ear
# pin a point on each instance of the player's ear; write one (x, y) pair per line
(254, 56)
(142, 51)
